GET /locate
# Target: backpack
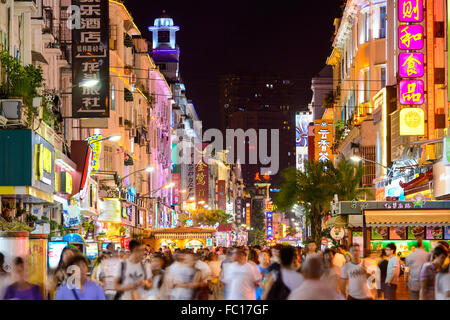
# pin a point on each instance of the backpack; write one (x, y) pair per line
(123, 267)
(278, 291)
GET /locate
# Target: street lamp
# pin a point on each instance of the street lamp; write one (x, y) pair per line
(356, 158)
(85, 84)
(148, 169)
(113, 138)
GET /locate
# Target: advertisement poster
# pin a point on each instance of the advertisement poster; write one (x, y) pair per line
(447, 233)
(380, 233)
(417, 232)
(110, 210)
(397, 233)
(435, 233)
(91, 250)
(54, 253)
(37, 262)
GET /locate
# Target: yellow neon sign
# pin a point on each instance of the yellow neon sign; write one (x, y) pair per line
(412, 122)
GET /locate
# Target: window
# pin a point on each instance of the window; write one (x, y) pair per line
(383, 77)
(364, 28)
(112, 97)
(164, 36)
(366, 86)
(382, 33)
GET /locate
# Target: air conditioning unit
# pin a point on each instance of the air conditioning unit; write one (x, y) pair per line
(120, 121)
(11, 109)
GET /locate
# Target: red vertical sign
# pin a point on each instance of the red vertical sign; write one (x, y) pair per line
(221, 199)
(201, 180)
(176, 188)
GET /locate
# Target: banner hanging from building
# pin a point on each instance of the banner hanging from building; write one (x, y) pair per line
(221, 198)
(90, 60)
(96, 145)
(323, 140)
(302, 121)
(201, 178)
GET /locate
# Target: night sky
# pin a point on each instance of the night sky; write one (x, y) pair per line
(291, 38)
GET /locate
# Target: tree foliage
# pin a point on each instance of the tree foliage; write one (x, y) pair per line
(207, 217)
(315, 187)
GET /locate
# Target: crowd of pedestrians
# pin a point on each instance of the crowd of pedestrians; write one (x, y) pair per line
(239, 273)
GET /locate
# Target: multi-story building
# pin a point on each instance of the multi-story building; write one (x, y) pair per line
(260, 102)
(367, 77)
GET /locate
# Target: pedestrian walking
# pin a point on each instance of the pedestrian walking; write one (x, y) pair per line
(414, 262)
(331, 273)
(313, 288)
(280, 283)
(5, 277)
(442, 286)
(241, 278)
(133, 277)
(59, 276)
(95, 274)
(214, 264)
(382, 266)
(354, 277)
(429, 272)
(80, 287)
(339, 258)
(202, 291)
(21, 289)
(392, 273)
(183, 277)
(264, 259)
(107, 273)
(157, 264)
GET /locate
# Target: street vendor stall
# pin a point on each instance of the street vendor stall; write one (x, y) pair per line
(181, 237)
(400, 222)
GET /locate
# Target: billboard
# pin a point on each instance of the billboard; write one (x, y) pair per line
(323, 140)
(201, 180)
(90, 60)
(221, 198)
(302, 121)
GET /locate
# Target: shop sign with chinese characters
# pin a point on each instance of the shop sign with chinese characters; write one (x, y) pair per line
(410, 10)
(96, 145)
(201, 181)
(269, 223)
(411, 63)
(412, 122)
(90, 59)
(323, 132)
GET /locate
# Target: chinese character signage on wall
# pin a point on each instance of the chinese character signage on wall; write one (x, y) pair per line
(412, 92)
(201, 181)
(410, 37)
(96, 144)
(221, 198)
(90, 60)
(302, 121)
(410, 10)
(323, 140)
(269, 223)
(411, 67)
(176, 187)
(411, 64)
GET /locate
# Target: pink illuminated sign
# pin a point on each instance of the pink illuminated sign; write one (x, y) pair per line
(410, 64)
(410, 37)
(410, 10)
(411, 92)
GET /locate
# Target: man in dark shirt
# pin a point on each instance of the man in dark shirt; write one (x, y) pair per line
(383, 264)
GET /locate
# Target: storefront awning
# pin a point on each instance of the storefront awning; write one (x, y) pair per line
(337, 221)
(407, 218)
(28, 194)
